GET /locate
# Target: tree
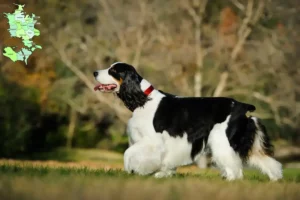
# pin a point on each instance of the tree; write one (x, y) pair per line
(246, 49)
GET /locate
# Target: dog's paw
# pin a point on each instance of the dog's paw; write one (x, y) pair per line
(164, 174)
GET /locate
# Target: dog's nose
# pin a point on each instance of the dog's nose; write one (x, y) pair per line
(95, 74)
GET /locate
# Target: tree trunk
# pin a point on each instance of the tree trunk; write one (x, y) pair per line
(71, 128)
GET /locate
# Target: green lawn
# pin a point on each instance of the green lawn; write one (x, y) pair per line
(28, 181)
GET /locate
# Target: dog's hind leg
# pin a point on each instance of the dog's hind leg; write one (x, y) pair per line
(261, 152)
(223, 154)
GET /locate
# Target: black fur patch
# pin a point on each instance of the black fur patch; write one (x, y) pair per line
(120, 70)
(130, 91)
(197, 116)
(241, 133)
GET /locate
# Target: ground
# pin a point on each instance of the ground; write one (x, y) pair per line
(100, 176)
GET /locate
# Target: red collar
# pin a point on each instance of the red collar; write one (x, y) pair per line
(149, 90)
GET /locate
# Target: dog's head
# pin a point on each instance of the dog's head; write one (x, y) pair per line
(118, 74)
(122, 79)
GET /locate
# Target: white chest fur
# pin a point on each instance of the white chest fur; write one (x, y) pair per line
(141, 122)
(140, 127)
(145, 142)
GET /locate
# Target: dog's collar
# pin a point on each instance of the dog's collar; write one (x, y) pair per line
(149, 90)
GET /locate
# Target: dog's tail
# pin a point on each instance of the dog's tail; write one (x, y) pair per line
(262, 143)
(260, 155)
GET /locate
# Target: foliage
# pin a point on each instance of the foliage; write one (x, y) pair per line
(24, 128)
(246, 49)
(207, 48)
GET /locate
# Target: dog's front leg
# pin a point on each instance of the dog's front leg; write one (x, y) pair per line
(143, 157)
(164, 172)
(133, 134)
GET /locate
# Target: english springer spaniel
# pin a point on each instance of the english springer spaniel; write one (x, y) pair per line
(168, 131)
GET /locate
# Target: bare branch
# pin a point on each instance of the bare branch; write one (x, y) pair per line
(272, 103)
(71, 128)
(108, 12)
(76, 107)
(197, 18)
(244, 31)
(141, 38)
(121, 112)
(238, 5)
(221, 85)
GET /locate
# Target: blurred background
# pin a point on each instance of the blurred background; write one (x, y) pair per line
(245, 49)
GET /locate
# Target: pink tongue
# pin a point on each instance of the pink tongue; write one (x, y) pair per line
(110, 87)
(97, 87)
(106, 87)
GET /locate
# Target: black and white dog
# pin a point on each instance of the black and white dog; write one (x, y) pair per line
(167, 131)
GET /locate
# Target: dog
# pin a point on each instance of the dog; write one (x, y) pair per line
(167, 131)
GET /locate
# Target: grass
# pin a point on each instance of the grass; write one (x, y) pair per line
(55, 180)
(77, 155)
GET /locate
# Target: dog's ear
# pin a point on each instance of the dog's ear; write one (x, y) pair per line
(130, 91)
